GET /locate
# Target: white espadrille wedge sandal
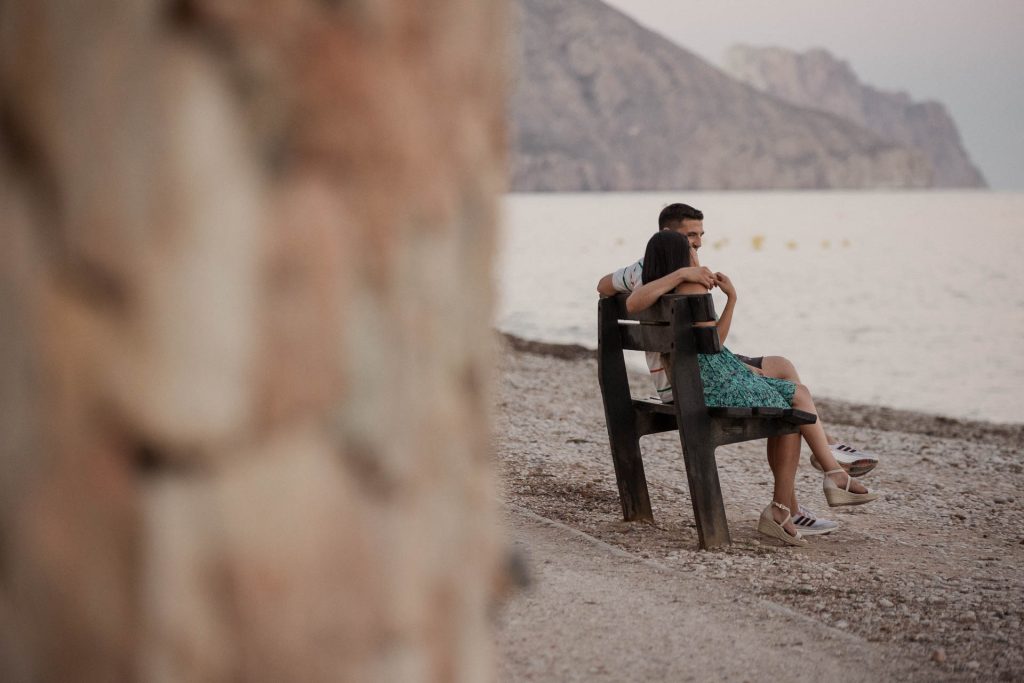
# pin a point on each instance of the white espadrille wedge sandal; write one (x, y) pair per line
(843, 496)
(769, 527)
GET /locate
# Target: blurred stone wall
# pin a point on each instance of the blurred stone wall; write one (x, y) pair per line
(245, 293)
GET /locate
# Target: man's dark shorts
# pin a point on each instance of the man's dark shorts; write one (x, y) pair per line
(756, 362)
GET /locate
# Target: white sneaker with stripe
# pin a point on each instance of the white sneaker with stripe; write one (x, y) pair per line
(810, 525)
(856, 462)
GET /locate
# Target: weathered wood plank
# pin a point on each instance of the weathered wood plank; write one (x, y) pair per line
(706, 340)
(799, 417)
(654, 423)
(702, 308)
(728, 411)
(769, 412)
(619, 415)
(658, 313)
(646, 337)
(653, 406)
(695, 434)
(725, 430)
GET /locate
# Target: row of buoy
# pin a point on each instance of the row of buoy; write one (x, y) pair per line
(757, 242)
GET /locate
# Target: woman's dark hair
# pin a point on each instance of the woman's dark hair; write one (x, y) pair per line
(667, 250)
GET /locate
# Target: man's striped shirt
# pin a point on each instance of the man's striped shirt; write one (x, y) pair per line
(625, 280)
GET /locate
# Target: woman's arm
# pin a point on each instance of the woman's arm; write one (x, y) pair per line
(644, 296)
(725, 320)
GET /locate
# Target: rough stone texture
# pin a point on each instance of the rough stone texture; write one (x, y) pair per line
(603, 104)
(243, 381)
(817, 80)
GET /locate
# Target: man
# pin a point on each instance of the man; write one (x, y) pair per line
(690, 222)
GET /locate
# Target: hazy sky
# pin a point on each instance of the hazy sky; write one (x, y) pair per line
(969, 55)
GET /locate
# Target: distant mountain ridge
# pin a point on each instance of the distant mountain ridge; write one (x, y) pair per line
(815, 79)
(602, 103)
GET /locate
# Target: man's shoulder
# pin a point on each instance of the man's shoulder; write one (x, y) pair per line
(628, 278)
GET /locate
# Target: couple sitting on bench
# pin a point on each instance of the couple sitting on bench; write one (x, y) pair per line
(670, 265)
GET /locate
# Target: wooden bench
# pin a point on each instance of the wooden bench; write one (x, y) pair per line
(670, 327)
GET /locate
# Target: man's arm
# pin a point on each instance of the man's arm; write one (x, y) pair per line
(622, 281)
(605, 286)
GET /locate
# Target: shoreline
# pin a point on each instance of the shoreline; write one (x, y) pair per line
(839, 411)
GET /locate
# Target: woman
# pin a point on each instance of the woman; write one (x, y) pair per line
(729, 382)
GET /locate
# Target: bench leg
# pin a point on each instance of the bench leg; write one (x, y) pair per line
(706, 495)
(630, 477)
(620, 417)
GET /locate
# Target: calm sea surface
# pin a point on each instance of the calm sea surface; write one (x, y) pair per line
(904, 299)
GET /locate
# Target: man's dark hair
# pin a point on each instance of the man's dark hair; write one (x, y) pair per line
(667, 251)
(673, 213)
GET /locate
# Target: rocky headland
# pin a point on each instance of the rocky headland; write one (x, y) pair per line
(602, 103)
(817, 80)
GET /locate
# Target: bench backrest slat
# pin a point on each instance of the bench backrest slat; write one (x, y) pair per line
(646, 337)
(650, 330)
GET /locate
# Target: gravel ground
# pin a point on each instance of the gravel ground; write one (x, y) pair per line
(935, 566)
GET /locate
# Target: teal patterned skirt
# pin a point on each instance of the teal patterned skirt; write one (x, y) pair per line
(728, 382)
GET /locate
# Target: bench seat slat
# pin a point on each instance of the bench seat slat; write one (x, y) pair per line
(651, 405)
(731, 412)
(790, 415)
(799, 417)
(769, 412)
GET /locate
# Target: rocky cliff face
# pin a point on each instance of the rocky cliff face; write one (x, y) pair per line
(604, 104)
(817, 80)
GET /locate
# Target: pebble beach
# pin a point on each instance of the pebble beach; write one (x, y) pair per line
(933, 569)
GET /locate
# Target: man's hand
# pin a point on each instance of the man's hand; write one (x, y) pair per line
(700, 275)
(725, 284)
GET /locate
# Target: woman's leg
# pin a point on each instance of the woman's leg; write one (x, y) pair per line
(814, 435)
(775, 443)
(781, 367)
(783, 458)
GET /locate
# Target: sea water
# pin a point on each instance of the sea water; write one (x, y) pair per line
(904, 299)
